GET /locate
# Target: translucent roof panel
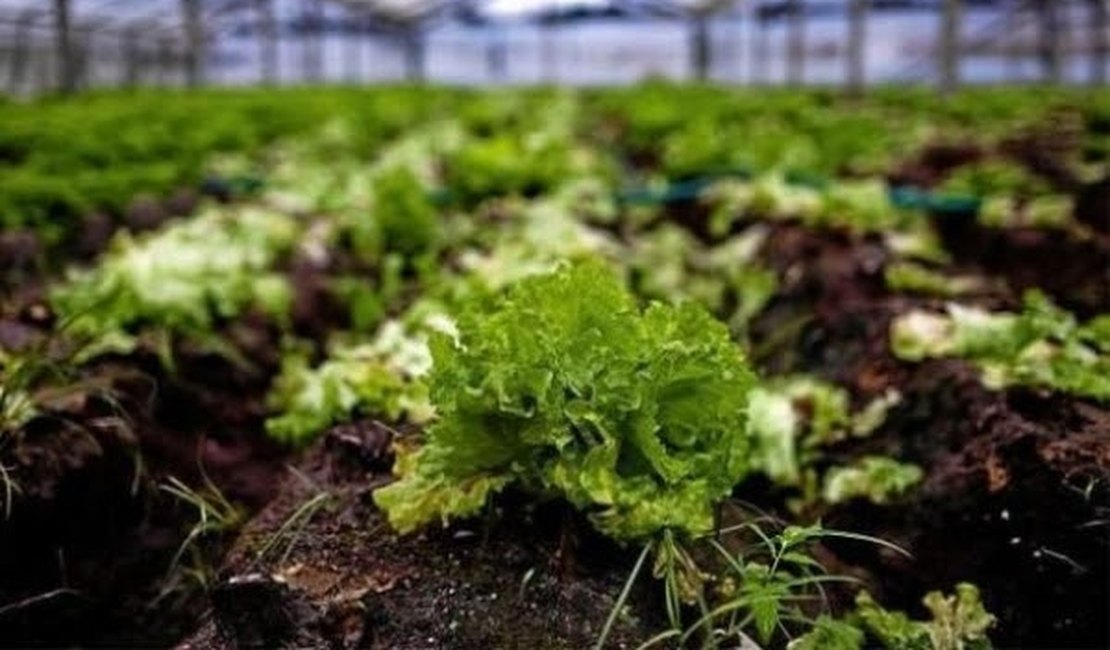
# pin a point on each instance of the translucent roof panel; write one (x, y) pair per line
(108, 15)
(166, 15)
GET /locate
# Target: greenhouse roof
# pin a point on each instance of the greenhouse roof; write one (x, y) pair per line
(112, 15)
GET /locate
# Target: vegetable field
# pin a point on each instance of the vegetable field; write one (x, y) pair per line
(659, 367)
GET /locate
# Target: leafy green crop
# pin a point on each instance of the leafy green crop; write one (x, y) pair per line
(958, 622)
(383, 378)
(182, 279)
(874, 477)
(566, 387)
(860, 206)
(1044, 211)
(994, 177)
(505, 165)
(407, 221)
(790, 420)
(1042, 346)
(667, 263)
(916, 278)
(17, 406)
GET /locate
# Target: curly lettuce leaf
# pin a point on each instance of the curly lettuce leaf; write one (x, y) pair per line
(959, 622)
(875, 478)
(382, 378)
(1042, 346)
(182, 279)
(829, 634)
(565, 385)
(911, 277)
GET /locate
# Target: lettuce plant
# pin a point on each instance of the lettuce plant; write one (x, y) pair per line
(915, 278)
(861, 206)
(535, 237)
(507, 164)
(1043, 211)
(957, 622)
(383, 377)
(407, 221)
(994, 177)
(876, 478)
(667, 263)
(1042, 346)
(567, 388)
(182, 280)
(790, 420)
(768, 196)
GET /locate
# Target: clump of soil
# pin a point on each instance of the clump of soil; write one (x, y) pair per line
(1015, 496)
(528, 576)
(86, 552)
(1015, 499)
(1092, 206)
(1017, 485)
(1074, 271)
(935, 162)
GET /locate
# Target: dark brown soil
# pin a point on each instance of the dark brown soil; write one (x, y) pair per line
(934, 162)
(1074, 270)
(1017, 486)
(1049, 146)
(85, 555)
(1093, 206)
(1015, 498)
(525, 577)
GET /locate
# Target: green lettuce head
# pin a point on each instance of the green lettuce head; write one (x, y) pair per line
(567, 388)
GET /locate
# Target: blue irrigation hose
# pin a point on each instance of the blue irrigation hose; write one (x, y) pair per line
(905, 197)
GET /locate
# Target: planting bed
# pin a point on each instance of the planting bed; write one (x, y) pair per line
(889, 379)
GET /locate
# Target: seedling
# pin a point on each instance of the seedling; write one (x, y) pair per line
(285, 538)
(216, 517)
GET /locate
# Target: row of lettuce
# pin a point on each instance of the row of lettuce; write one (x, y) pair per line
(494, 280)
(63, 160)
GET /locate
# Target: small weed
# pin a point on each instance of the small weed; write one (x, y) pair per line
(10, 487)
(762, 590)
(216, 516)
(285, 539)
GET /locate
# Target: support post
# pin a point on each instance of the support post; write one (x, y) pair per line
(1015, 43)
(165, 61)
(267, 40)
(795, 43)
(413, 43)
(948, 54)
(548, 68)
(353, 49)
(1100, 41)
(194, 42)
(21, 43)
(759, 49)
(131, 54)
(83, 58)
(312, 42)
(1051, 28)
(736, 50)
(701, 49)
(857, 37)
(67, 81)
